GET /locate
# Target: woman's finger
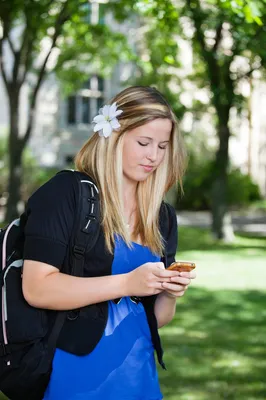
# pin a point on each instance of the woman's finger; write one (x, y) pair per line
(181, 281)
(164, 273)
(174, 287)
(189, 275)
(158, 285)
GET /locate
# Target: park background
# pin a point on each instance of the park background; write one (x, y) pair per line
(61, 60)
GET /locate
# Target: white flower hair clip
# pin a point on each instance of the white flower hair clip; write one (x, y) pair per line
(106, 120)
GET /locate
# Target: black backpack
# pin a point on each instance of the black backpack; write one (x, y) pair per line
(28, 335)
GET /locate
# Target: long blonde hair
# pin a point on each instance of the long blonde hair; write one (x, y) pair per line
(101, 159)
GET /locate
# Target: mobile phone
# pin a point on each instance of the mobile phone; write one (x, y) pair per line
(182, 266)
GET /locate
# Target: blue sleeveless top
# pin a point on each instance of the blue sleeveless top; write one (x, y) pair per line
(122, 365)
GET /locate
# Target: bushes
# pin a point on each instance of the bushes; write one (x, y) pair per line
(241, 189)
(33, 175)
(197, 187)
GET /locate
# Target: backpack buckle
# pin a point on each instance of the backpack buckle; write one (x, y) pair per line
(78, 250)
(90, 218)
(72, 315)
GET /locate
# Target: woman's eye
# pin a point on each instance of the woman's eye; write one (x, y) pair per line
(162, 147)
(143, 144)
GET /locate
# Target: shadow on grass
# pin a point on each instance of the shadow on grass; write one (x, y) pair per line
(200, 239)
(215, 348)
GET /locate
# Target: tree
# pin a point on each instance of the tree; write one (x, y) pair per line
(220, 36)
(220, 32)
(32, 32)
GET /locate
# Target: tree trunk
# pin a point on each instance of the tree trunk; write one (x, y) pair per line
(250, 128)
(15, 147)
(221, 220)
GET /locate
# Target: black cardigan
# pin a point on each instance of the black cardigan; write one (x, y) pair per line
(74, 336)
(50, 217)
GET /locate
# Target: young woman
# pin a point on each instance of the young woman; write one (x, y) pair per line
(134, 156)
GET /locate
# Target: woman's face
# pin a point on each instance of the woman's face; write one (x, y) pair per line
(144, 149)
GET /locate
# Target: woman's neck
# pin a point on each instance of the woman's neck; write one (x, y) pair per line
(129, 193)
(130, 205)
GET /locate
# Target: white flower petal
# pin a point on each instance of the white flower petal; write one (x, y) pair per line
(118, 112)
(115, 124)
(107, 130)
(98, 118)
(106, 120)
(105, 110)
(100, 126)
(112, 111)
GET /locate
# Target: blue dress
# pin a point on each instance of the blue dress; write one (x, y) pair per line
(122, 365)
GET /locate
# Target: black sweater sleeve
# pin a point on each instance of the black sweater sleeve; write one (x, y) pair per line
(172, 237)
(51, 211)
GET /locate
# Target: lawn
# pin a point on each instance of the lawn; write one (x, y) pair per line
(215, 348)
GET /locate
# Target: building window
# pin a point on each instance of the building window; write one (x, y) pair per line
(86, 118)
(85, 104)
(96, 12)
(100, 84)
(93, 12)
(71, 110)
(100, 102)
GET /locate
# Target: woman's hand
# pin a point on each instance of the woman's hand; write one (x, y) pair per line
(148, 279)
(165, 304)
(177, 285)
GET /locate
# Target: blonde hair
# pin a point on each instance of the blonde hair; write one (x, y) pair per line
(101, 159)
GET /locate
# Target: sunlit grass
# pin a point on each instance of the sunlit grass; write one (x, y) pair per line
(215, 348)
(241, 265)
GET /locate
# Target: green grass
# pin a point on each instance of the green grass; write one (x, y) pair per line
(258, 205)
(215, 348)
(241, 265)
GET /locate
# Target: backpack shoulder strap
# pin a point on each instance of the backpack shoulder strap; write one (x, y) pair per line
(84, 235)
(87, 221)
(164, 226)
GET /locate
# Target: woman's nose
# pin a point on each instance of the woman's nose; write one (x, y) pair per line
(152, 155)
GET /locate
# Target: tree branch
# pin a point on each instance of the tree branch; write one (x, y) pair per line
(25, 55)
(62, 18)
(197, 22)
(208, 56)
(2, 69)
(11, 45)
(218, 36)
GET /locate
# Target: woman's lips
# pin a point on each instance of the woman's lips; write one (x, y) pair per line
(147, 168)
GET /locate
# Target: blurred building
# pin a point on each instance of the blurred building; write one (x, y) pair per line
(63, 124)
(248, 146)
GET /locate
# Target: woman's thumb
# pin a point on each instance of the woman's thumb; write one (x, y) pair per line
(160, 265)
